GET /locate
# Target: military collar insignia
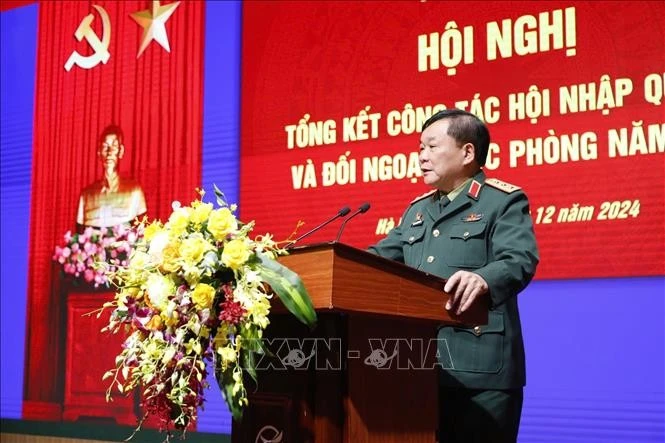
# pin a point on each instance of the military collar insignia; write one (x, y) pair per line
(473, 217)
(419, 220)
(474, 189)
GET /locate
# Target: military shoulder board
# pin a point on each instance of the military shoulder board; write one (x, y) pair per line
(422, 196)
(503, 186)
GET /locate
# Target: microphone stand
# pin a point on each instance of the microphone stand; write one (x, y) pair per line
(361, 210)
(341, 213)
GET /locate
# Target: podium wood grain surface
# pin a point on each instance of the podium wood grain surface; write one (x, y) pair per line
(342, 278)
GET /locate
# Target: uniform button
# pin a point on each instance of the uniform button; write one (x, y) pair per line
(430, 259)
(436, 233)
(411, 239)
(466, 234)
(477, 330)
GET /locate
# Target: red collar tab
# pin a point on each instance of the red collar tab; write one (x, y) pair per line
(474, 190)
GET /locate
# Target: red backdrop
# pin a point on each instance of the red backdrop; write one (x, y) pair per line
(156, 99)
(355, 56)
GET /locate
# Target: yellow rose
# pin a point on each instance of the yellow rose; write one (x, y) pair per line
(235, 254)
(170, 256)
(179, 220)
(202, 295)
(200, 212)
(193, 248)
(221, 223)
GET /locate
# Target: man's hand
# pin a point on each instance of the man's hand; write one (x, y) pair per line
(465, 287)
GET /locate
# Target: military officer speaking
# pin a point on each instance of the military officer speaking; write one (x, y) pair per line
(478, 234)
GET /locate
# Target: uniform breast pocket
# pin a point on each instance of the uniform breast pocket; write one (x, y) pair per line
(412, 245)
(467, 245)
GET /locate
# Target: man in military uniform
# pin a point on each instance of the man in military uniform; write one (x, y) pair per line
(478, 234)
(112, 200)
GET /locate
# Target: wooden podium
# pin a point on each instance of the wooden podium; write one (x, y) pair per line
(89, 354)
(367, 372)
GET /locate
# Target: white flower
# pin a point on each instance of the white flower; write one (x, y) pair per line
(159, 289)
(157, 245)
(252, 276)
(139, 259)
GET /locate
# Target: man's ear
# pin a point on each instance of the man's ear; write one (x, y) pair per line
(469, 153)
(121, 151)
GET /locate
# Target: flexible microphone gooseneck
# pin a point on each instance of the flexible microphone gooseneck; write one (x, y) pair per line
(341, 213)
(361, 210)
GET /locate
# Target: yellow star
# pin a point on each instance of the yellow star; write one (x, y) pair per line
(153, 23)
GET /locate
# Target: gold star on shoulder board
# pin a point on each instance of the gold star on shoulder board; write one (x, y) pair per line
(153, 22)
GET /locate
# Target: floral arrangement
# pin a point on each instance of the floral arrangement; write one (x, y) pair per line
(81, 254)
(197, 289)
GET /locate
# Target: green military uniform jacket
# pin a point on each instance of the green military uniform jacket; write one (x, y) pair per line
(487, 229)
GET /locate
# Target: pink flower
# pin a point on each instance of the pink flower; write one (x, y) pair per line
(66, 252)
(89, 275)
(68, 236)
(121, 230)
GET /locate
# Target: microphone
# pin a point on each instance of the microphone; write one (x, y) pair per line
(361, 210)
(341, 213)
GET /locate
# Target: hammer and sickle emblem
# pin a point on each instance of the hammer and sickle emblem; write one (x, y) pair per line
(101, 48)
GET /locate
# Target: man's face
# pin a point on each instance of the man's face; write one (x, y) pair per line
(110, 151)
(442, 160)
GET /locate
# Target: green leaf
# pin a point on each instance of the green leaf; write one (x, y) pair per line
(225, 383)
(289, 288)
(248, 363)
(221, 198)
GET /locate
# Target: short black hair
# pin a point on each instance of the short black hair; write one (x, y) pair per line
(465, 127)
(112, 129)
